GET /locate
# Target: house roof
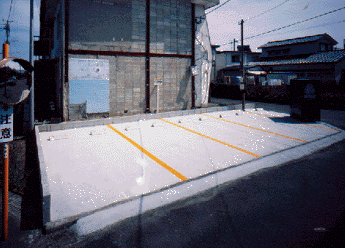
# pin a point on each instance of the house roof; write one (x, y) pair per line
(207, 3)
(320, 57)
(298, 40)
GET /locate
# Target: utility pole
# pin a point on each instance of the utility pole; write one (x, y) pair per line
(31, 60)
(235, 44)
(242, 68)
(6, 45)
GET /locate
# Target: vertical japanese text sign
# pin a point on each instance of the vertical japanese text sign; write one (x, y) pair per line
(6, 124)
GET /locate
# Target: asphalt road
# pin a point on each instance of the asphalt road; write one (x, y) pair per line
(298, 204)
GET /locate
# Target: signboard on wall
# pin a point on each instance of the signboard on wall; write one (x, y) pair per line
(89, 82)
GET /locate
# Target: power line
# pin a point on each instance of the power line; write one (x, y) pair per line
(217, 7)
(9, 14)
(316, 26)
(309, 19)
(268, 10)
(293, 24)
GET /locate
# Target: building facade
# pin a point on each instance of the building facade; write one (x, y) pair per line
(113, 57)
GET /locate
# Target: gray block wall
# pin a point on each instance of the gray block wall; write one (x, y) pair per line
(170, 24)
(175, 91)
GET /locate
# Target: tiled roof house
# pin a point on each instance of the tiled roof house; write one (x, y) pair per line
(309, 57)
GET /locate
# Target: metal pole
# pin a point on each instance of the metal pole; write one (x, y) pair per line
(5, 194)
(5, 54)
(242, 67)
(147, 58)
(31, 60)
(193, 54)
(157, 98)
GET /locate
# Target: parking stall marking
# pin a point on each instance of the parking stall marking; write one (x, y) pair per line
(326, 128)
(259, 129)
(219, 141)
(150, 155)
(268, 116)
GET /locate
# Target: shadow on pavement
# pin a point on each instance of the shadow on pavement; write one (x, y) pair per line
(286, 119)
(31, 209)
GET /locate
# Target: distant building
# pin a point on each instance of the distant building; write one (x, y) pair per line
(297, 47)
(227, 63)
(312, 57)
(107, 57)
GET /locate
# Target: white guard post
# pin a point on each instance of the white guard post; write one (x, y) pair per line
(158, 82)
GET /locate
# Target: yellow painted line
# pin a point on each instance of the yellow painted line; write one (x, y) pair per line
(256, 114)
(330, 129)
(259, 129)
(326, 128)
(150, 155)
(219, 141)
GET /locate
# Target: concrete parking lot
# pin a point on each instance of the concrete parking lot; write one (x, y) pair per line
(295, 204)
(112, 165)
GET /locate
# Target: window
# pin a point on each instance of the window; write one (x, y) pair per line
(279, 52)
(235, 58)
(322, 47)
(285, 51)
(325, 47)
(228, 59)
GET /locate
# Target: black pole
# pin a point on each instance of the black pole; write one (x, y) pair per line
(193, 54)
(147, 58)
(66, 57)
(242, 68)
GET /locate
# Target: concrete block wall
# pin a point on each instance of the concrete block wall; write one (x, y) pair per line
(126, 85)
(170, 26)
(174, 93)
(170, 33)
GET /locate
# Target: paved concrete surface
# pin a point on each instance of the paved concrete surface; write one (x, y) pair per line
(89, 168)
(209, 218)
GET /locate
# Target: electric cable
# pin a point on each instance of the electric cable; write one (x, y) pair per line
(293, 24)
(9, 14)
(267, 10)
(316, 26)
(217, 7)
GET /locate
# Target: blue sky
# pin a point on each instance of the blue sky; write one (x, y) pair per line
(222, 23)
(19, 36)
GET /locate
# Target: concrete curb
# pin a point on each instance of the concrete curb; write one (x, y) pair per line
(132, 118)
(44, 180)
